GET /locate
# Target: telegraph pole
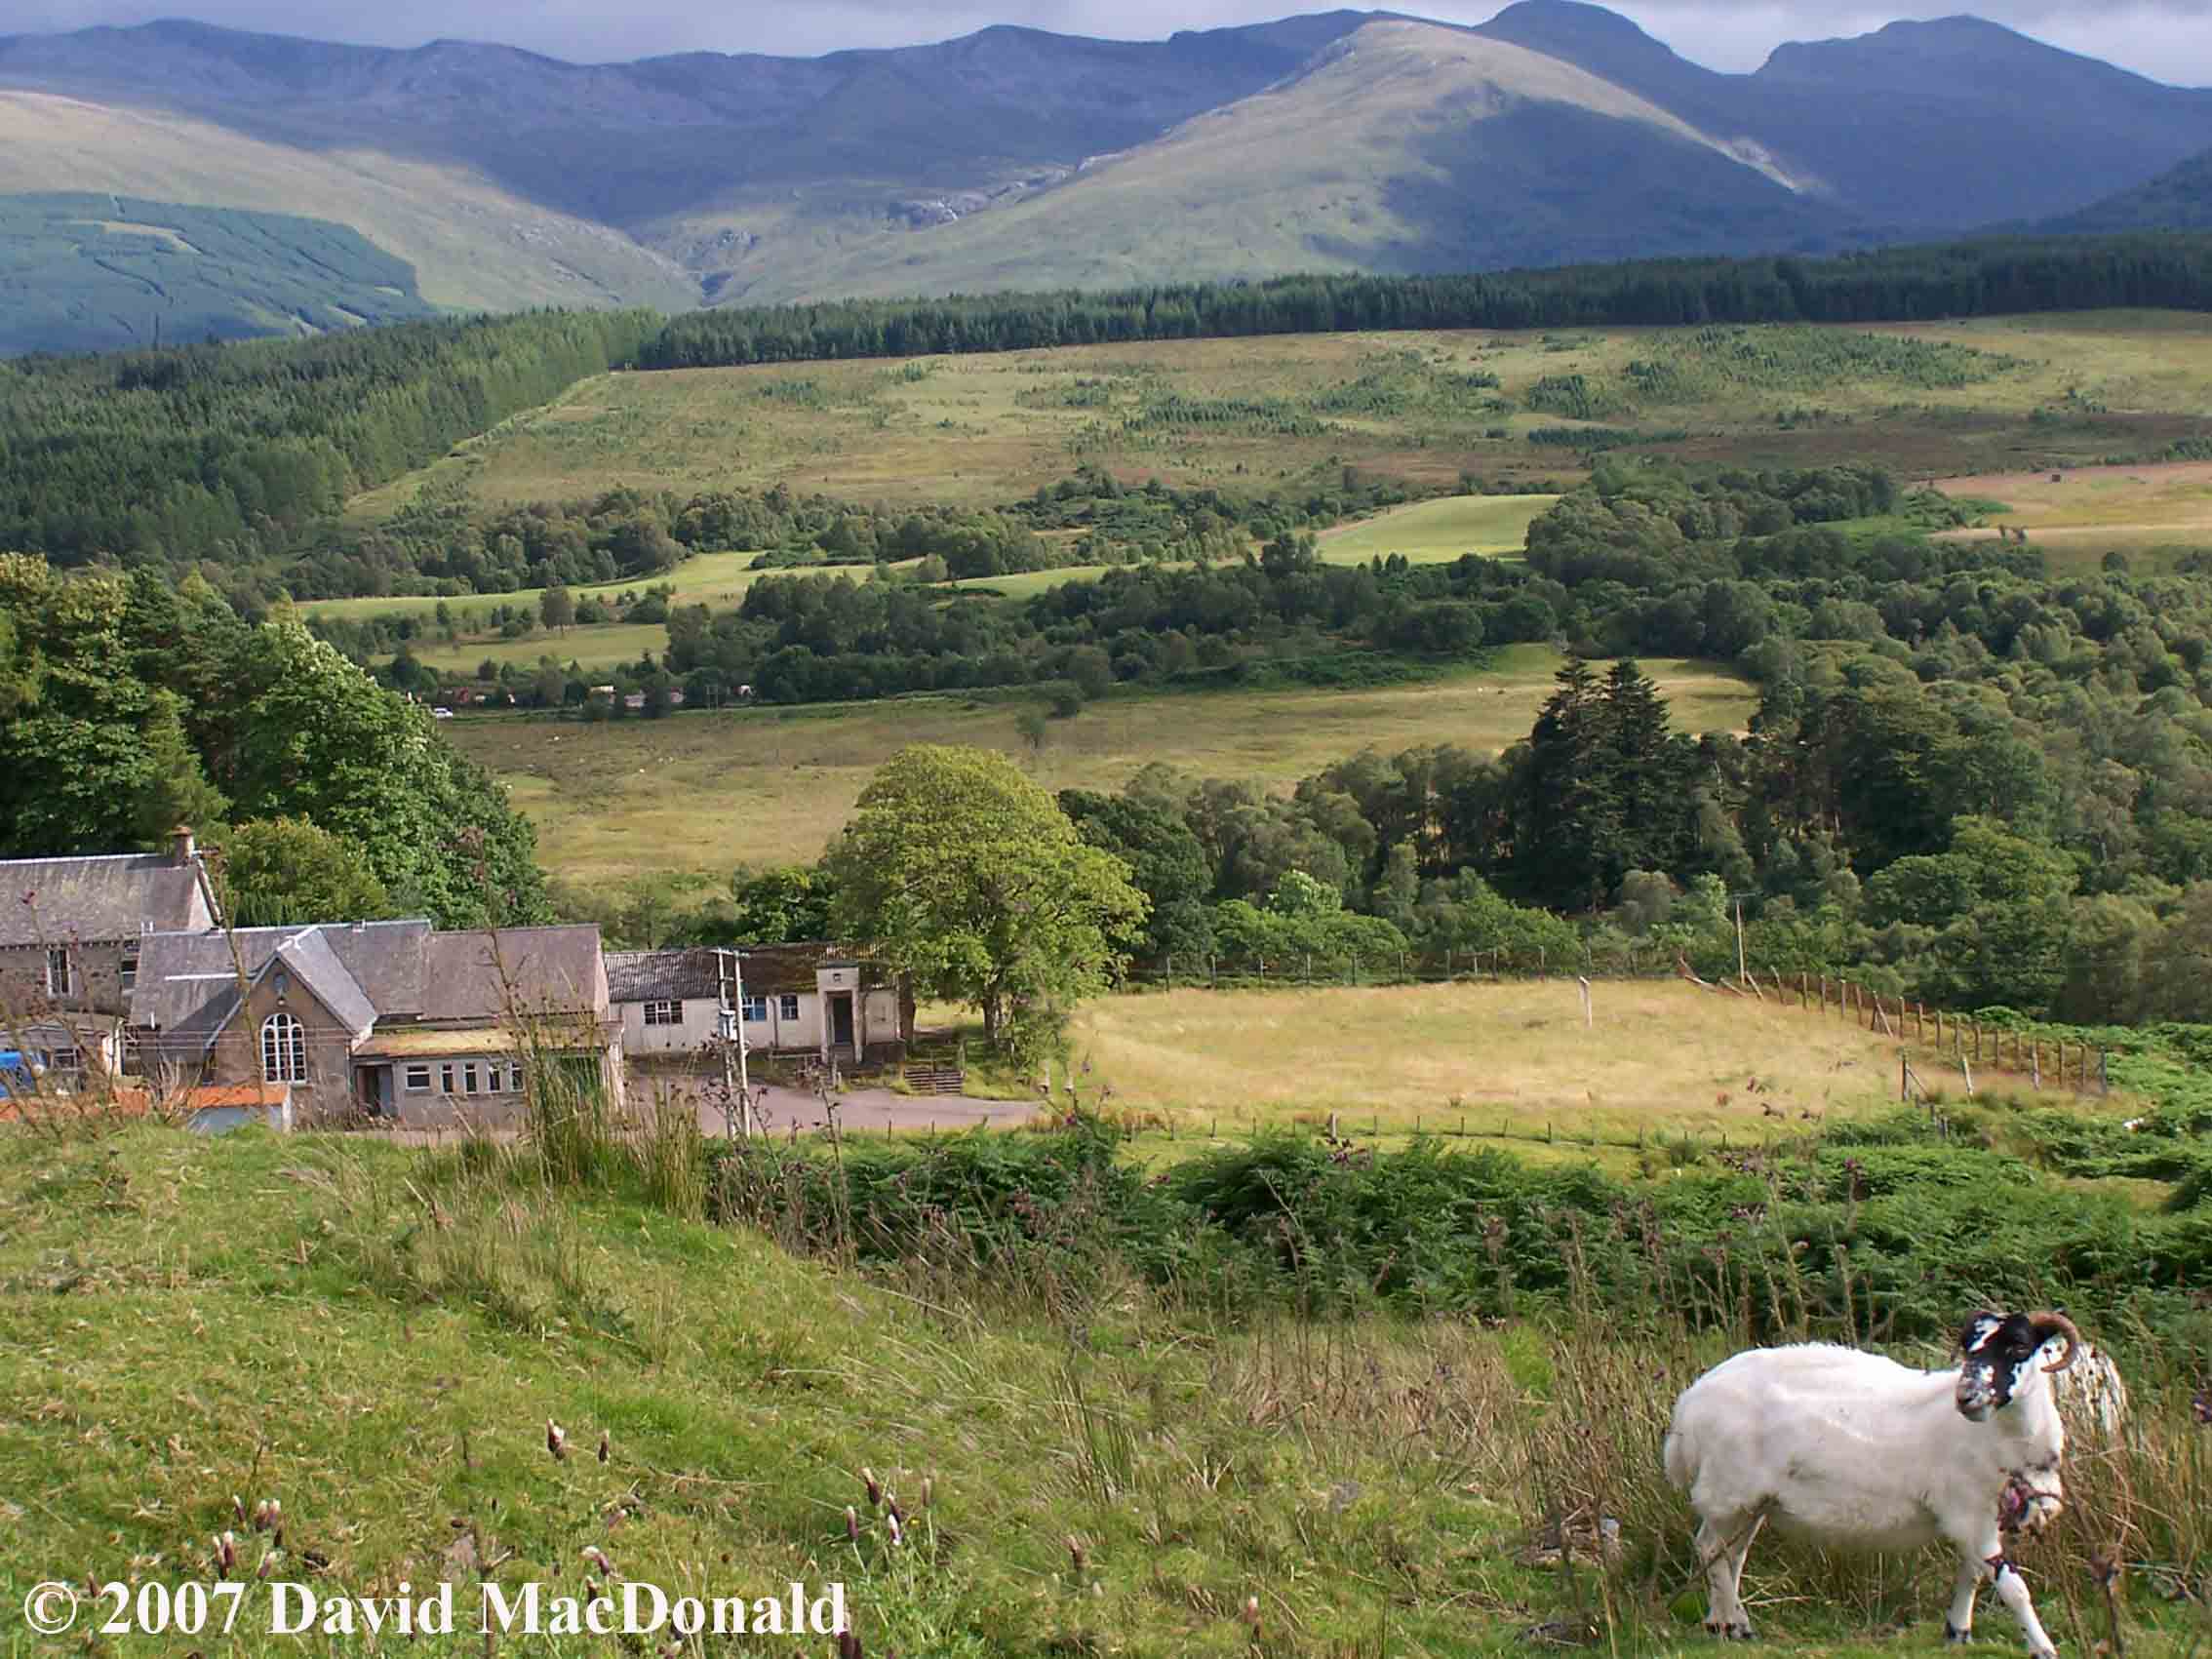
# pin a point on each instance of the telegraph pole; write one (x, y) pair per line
(732, 1030)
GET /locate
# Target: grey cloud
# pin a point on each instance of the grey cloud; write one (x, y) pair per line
(2167, 39)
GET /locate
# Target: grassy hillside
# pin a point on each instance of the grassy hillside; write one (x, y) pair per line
(377, 1338)
(1289, 411)
(82, 272)
(708, 791)
(473, 245)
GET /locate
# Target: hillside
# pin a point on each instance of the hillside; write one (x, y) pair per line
(2178, 199)
(1015, 157)
(112, 271)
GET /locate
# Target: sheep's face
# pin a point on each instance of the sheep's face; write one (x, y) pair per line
(1998, 1350)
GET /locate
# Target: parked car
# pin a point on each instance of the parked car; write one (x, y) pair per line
(441, 714)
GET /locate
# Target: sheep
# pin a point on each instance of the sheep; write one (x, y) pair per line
(1853, 1450)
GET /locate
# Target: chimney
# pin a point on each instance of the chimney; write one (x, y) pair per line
(182, 848)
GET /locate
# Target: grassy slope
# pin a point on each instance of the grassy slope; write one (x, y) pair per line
(377, 1340)
(472, 244)
(1433, 532)
(984, 430)
(708, 791)
(87, 272)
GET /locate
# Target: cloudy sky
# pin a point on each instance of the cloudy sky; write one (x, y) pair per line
(2170, 40)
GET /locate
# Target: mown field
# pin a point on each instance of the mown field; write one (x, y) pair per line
(1256, 415)
(708, 791)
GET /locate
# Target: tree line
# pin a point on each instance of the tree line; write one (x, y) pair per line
(129, 706)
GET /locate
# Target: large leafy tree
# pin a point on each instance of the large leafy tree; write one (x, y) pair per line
(279, 871)
(965, 875)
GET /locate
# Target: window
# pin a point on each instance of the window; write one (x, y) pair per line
(283, 1050)
(468, 1074)
(417, 1079)
(129, 977)
(60, 981)
(788, 1006)
(664, 1013)
(514, 1077)
(756, 1010)
(446, 1078)
(62, 1060)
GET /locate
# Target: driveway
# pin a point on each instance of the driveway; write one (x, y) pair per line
(873, 1110)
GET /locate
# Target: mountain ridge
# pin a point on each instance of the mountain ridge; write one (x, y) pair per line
(1013, 156)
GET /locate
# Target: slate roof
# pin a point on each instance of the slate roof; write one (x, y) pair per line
(679, 975)
(98, 901)
(660, 976)
(551, 971)
(394, 972)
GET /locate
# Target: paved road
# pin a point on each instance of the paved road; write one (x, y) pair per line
(865, 1111)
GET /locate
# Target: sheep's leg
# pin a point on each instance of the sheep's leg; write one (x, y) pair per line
(2012, 1589)
(1723, 1545)
(1958, 1623)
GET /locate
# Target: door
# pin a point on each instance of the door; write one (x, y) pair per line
(841, 1020)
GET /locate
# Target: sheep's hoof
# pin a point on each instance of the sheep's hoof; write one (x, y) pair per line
(1954, 1637)
(1740, 1630)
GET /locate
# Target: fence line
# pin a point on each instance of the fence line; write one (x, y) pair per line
(1960, 1037)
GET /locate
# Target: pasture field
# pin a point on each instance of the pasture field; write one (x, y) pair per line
(1511, 1058)
(1436, 532)
(1258, 414)
(717, 579)
(2152, 513)
(710, 790)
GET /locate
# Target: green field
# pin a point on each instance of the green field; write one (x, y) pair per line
(1432, 533)
(707, 791)
(1258, 414)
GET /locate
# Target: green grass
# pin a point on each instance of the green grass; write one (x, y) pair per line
(1430, 532)
(710, 790)
(377, 1337)
(718, 579)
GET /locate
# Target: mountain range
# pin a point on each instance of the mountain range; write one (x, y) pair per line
(1556, 131)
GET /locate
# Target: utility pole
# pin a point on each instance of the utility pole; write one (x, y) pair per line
(729, 1026)
(1739, 941)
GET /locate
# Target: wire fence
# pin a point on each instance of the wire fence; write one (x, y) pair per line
(1961, 1040)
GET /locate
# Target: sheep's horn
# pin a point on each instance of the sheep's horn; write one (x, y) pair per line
(2046, 1323)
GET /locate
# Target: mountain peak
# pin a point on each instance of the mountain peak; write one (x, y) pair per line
(1945, 57)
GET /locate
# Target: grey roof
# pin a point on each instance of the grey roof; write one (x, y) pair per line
(769, 968)
(549, 969)
(657, 977)
(100, 899)
(398, 973)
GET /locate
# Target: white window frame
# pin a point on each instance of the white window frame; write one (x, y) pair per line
(418, 1079)
(514, 1077)
(284, 1049)
(788, 1006)
(446, 1078)
(64, 1061)
(60, 971)
(469, 1078)
(664, 1011)
(756, 1010)
(127, 973)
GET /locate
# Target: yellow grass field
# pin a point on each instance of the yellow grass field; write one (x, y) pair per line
(1661, 1056)
(986, 430)
(2076, 515)
(708, 791)
(718, 579)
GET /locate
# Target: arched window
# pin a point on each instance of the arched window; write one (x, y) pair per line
(283, 1050)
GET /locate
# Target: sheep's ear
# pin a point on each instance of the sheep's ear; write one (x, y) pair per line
(1979, 1330)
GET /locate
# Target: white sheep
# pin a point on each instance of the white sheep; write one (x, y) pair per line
(1854, 1451)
